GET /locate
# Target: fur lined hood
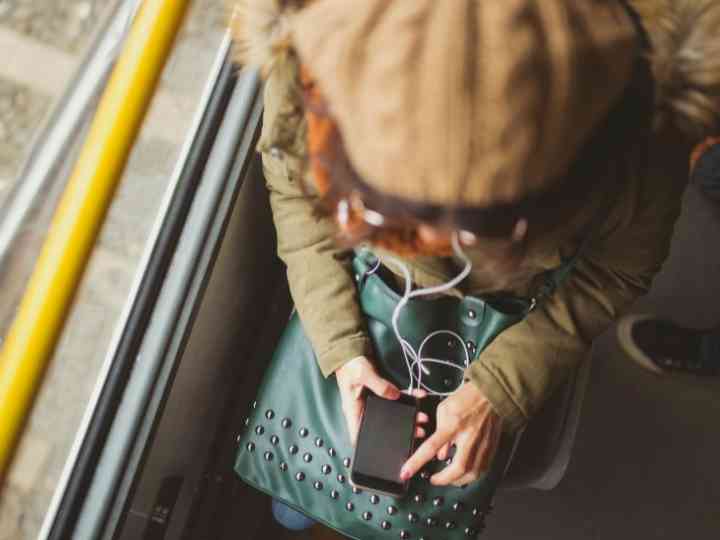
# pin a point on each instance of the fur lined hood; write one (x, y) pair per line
(685, 56)
(684, 37)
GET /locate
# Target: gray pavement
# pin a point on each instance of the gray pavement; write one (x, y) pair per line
(51, 36)
(62, 24)
(21, 112)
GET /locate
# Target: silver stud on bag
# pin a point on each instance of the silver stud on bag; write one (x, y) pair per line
(318, 442)
(458, 506)
(326, 469)
(274, 440)
(247, 422)
(332, 452)
(250, 447)
(438, 502)
(283, 466)
(269, 414)
(307, 457)
(254, 404)
(472, 314)
(470, 532)
(367, 516)
(374, 499)
(431, 522)
(404, 535)
(293, 449)
(386, 525)
(286, 423)
(334, 494)
(347, 462)
(450, 525)
(471, 348)
(349, 507)
(477, 512)
(391, 510)
(341, 478)
(300, 476)
(303, 432)
(425, 475)
(259, 430)
(238, 438)
(317, 485)
(357, 490)
(419, 498)
(268, 456)
(413, 517)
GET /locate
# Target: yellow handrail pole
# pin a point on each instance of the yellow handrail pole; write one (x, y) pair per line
(39, 321)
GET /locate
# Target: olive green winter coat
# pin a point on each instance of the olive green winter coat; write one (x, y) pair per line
(638, 203)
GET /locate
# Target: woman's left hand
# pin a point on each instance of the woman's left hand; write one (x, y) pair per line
(466, 420)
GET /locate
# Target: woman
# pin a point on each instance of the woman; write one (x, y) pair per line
(529, 131)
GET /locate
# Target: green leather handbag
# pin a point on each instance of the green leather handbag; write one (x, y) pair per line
(295, 446)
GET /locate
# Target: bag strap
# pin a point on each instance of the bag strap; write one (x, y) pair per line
(365, 263)
(553, 279)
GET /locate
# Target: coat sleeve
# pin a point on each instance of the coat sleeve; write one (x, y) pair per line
(319, 274)
(527, 362)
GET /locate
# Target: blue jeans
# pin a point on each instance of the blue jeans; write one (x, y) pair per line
(707, 172)
(289, 518)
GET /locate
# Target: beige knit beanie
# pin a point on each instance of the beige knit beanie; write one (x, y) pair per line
(471, 102)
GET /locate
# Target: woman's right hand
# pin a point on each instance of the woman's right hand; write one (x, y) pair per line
(352, 379)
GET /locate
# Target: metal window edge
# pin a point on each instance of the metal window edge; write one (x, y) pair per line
(121, 326)
(167, 312)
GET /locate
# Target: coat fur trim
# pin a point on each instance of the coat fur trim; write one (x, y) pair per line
(685, 57)
(261, 31)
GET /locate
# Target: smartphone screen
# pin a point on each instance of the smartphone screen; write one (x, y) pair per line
(384, 443)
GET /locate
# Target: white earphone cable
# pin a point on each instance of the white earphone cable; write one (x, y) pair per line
(414, 360)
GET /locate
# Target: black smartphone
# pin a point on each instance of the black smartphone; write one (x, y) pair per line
(384, 444)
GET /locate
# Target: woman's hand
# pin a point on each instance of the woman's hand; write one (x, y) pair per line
(466, 420)
(352, 378)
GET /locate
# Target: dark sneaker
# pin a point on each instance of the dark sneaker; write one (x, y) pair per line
(664, 347)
